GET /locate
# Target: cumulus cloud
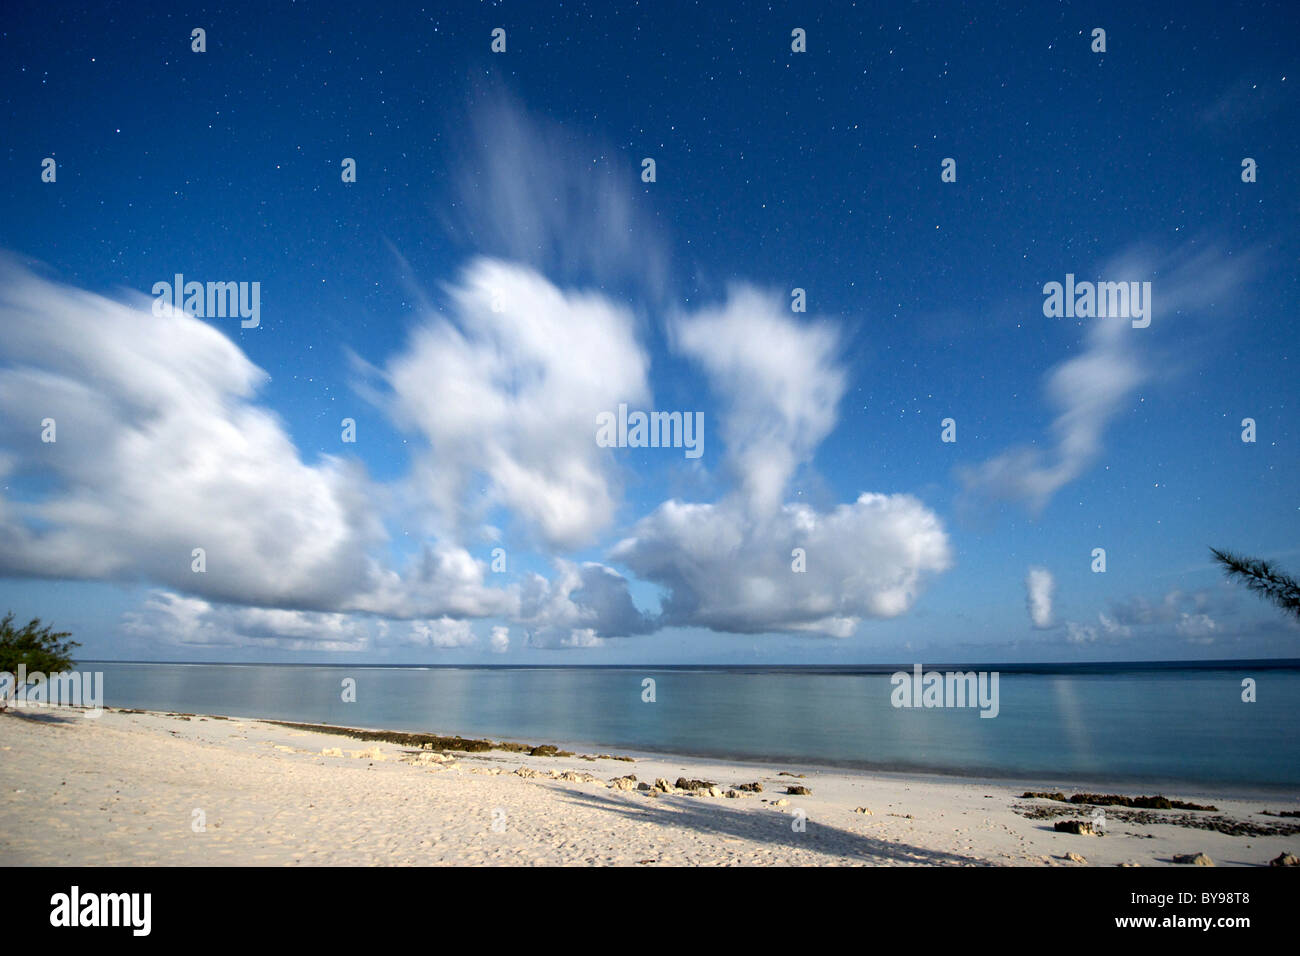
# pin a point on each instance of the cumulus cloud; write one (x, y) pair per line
(508, 389)
(1193, 617)
(441, 580)
(442, 632)
(1196, 628)
(579, 607)
(732, 565)
(160, 450)
(1198, 617)
(779, 383)
(555, 638)
(174, 619)
(163, 447)
(1039, 586)
(867, 559)
(499, 642)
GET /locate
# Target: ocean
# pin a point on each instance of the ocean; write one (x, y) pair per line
(1153, 723)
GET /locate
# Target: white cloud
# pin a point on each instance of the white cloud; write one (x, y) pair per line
(540, 193)
(500, 640)
(441, 580)
(1090, 390)
(161, 450)
(729, 566)
(868, 559)
(552, 638)
(1077, 633)
(1112, 627)
(1039, 586)
(1196, 628)
(1198, 617)
(173, 619)
(441, 633)
(580, 598)
(512, 395)
(163, 447)
(778, 381)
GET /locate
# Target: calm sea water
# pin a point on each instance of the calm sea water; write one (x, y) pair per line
(1103, 722)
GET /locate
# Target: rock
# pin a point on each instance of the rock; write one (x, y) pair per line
(662, 785)
(424, 759)
(544, 750)
(1074, 858)
(684, 784)
(1285, 859)
(798, 791)
(644, 786)
(715, 791)
(577, 776)
(1156, 802)
(624, 783)
(754, 787)
(862, 810)
(527, 772)
(781, 803)
(1079, 827)
(733, 794)
(1193, 859)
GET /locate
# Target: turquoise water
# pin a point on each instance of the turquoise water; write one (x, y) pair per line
(1111, 722)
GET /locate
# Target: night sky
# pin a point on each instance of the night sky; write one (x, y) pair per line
(500, 273)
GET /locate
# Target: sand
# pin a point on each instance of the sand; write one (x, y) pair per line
(132, 788)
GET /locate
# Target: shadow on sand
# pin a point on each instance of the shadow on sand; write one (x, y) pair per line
(712, 817)
(41, 716)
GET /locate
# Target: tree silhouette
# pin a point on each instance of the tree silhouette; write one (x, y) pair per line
(1262, 578)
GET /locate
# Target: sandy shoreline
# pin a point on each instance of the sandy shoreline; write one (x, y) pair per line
(132, 788)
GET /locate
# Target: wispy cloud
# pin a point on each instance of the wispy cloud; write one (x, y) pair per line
(543, 194)
(1090, 390)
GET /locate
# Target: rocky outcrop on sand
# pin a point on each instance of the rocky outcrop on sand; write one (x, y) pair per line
(1156, 802)
(1078, 827)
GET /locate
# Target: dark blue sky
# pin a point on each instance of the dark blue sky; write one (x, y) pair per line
(775, 170)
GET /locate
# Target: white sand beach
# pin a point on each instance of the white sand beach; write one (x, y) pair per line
(132, 788)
